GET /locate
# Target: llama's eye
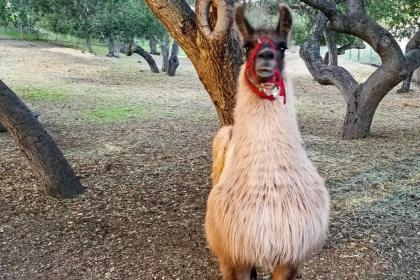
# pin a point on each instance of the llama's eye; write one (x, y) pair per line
(282, 49)
(248, 46)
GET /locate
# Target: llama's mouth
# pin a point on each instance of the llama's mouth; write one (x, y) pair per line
(264, 73)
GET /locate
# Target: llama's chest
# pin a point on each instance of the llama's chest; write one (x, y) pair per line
(266, 160)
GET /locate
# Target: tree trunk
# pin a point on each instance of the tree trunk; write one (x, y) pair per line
(88, 46)
(358, 119)
(164, 48)
(113, 47)
(173, 62)
(53, 170)
(153, 46)
(213, 46)
(332, 52)
(21, 31)
(405, 87)
(412, 58)
(143, 53)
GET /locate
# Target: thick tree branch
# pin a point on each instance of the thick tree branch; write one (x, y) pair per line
(179, 19)
(328, 7)
(357, 23)
(323, 73)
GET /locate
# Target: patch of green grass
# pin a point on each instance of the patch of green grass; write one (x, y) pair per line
(116, 114)
(10, 33)
(49, 94)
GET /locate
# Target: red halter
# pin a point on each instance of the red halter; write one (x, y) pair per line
(277, 78)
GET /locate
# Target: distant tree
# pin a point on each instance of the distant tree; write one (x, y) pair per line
(78, 18)
(17, 13)
(153, 45)
(164, 49)
(403, 19)
(173, 61)
(412, 57)
(362, 99)
(126, 20)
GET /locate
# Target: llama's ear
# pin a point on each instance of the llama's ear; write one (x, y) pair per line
(285, 21)
(244, 27)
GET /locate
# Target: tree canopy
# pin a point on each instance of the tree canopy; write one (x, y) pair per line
(126, 19)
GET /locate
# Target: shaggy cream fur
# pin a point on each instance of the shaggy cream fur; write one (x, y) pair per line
(269, 206)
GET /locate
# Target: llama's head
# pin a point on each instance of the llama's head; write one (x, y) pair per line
(265, 48)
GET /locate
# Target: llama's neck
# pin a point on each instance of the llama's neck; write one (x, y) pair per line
(264, 119)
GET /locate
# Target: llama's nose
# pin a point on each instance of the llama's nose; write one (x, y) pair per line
(266, 54)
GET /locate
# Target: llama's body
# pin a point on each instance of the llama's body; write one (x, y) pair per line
(269, 206)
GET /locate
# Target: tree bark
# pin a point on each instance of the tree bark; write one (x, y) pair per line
(357, 122)
(164, 48)
(412, 57)
(173, 62)
(362, 99)
(3, 129)
(211, 43)
(153, 46)
(53, 170)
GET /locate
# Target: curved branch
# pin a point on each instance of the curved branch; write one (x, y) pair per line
(149, 59)
(53, 170)
(224, 18)
(359, 24)
(322, 73)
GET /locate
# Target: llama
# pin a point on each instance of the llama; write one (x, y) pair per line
(268, 207)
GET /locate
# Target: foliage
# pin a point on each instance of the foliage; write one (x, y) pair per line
(18, 13)
(78, 18)
(401, 16)
(128, 19)
(124, 19)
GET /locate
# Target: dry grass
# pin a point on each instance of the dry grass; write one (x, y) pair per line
(140, 143)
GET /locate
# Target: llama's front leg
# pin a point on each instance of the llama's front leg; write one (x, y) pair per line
(244, 273)
(230, 272)
(285, 272)
(227, 270)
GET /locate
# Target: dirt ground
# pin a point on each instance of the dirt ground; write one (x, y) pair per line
(140, 143)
